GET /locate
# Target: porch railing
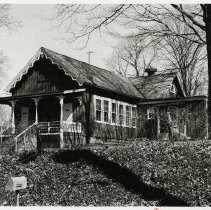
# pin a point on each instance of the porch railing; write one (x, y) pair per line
(73, 127)
(54, 127)
(49, 127)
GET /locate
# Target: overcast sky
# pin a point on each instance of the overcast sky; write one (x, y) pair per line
(35, 32)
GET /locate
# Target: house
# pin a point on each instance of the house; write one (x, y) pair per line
(61, 101)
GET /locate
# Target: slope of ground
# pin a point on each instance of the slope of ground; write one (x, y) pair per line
(139, 174)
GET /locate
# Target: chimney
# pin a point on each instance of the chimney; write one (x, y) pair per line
(150, 70)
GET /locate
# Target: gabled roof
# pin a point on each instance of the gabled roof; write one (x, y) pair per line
(83, 73)
(155, 86)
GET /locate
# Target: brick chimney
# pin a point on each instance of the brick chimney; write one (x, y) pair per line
(150, 70)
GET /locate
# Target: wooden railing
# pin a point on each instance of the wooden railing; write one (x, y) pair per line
(27, 139)
(49, 127)
(73, 127)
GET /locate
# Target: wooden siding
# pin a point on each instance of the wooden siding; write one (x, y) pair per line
(44, 77)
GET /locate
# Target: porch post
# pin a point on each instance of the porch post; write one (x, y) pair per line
(61, 100)
(158, 122)
(13, 116)
(36, 101)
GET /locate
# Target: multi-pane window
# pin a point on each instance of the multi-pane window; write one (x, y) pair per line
(121, 114)
(151, 113)
(106, 110)
(114, 113)
(98, 109)
(133, 116)
(128, 115)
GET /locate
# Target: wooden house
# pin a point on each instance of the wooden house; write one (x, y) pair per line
(60, 101)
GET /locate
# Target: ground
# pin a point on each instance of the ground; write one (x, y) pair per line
(143, 174)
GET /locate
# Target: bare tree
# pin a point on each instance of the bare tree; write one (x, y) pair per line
(132, 56)
(7, 21)
(187, 57)
(82, 21)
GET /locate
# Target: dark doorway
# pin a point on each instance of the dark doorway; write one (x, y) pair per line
(49, 109)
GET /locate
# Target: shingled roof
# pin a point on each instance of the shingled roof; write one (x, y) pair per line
(83, 73)
(155, 86)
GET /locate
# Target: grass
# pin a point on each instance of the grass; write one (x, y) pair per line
(162, 174)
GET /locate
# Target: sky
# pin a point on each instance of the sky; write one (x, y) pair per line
(36, 31)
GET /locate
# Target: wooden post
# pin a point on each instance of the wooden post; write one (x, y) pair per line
(185, 127)
(158, 122)
(17, 197)
(61, 100)
(13, 116)
(36, 100)
(207, 122)
(1, 134)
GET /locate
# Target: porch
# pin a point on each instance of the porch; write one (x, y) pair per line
(52, 115)
(176, 119)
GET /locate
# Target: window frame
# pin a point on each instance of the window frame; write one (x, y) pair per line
(129, 116)
(133, 116)
(122, 114)
(114, 102)
(148, 113)
(108, 111)
(98, 110)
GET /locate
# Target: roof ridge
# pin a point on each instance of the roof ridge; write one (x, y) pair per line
(76, 59)
(154, 75)
(120, 76)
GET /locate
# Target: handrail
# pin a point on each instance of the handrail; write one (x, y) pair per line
(7, 128)
(4, 133)
(22, 133)
(25, 130)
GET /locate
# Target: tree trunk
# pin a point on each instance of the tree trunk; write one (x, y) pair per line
(208, 38)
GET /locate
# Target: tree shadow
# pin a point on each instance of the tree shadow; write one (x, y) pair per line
(122, 175)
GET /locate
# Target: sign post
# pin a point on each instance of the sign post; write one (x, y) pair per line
(17, 197)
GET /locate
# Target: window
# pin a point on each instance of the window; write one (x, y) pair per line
(110, 111)
(174, 116)
(106, 110)
(128, 115)
(114, 112)
(98, 109)
(173, 91)
(121, 114)
(151, 114)
(133, 116)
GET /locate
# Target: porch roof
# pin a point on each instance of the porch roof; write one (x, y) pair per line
(166, 101)
(7, 99)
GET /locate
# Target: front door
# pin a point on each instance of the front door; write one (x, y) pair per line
(24, 117)
(68, 112)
